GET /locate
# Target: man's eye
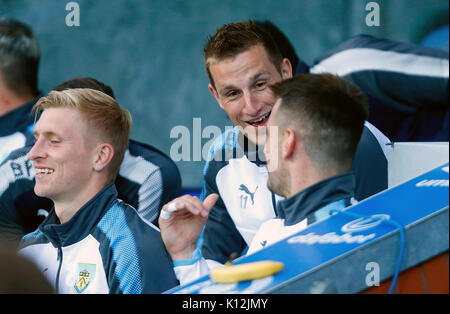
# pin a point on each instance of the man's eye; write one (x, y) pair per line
(260, 85)
(55, 141)
(231, 94)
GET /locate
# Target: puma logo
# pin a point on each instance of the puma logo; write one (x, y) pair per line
(243, 188)
(42, 212)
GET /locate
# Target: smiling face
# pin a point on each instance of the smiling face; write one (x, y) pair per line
(62, 154)
(242, 89)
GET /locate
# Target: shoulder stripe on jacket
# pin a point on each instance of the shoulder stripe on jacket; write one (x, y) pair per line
(115, 227)
(364, 59)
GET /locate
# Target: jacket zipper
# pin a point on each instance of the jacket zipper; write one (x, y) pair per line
(60, 259)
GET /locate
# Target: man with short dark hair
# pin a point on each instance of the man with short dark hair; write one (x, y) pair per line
(242, 61)
(312, 135)
(19, 65)
(91, 242)
(319, 120)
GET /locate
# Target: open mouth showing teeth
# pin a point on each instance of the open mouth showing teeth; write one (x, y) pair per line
(44, 170)
(260, 121)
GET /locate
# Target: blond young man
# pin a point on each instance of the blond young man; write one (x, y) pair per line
(91, 242)
(147, 180)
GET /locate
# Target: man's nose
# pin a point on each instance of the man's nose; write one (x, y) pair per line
(252, 103)
(37, 151)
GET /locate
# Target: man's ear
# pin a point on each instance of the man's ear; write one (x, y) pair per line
(104, 154)
(288, 143)
(213, 91)
(286, 69)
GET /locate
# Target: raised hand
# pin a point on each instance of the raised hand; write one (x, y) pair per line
(181, 223)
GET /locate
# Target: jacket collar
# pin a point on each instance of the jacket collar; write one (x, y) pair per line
(18, 119)
(82, 223)
(299, 206)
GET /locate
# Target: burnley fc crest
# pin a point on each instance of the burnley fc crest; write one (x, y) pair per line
(85, 275)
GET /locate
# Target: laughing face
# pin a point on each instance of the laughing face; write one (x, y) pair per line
(61, 154)
(242, 89)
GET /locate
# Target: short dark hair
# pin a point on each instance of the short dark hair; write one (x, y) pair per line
(85, 82)
(283, 43)
(328, 112)
(234, 38)
(19, 57)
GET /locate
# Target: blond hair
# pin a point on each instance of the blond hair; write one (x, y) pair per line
(102, 113)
